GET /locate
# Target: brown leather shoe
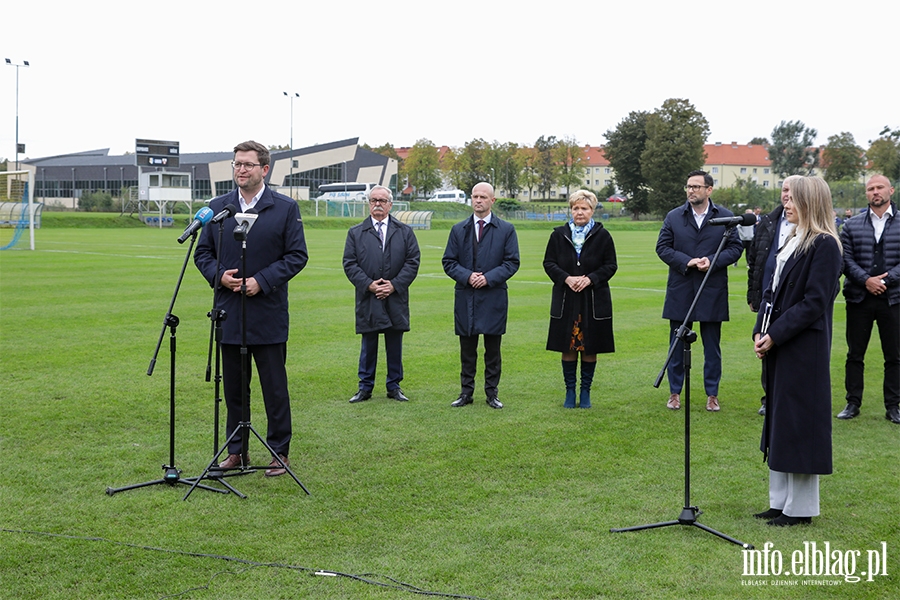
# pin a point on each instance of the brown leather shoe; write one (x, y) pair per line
(234, 462)
(674, 402)
(275, 469)
(712, 404)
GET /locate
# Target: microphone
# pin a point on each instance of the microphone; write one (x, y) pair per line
(744, 219)
(245, 222)
(202, 217)
(228, 212)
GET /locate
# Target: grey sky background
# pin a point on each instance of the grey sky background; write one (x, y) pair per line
(211, 74)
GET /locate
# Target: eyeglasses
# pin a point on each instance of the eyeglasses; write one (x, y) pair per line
(379, 201)
(237, 166)
(694, 188)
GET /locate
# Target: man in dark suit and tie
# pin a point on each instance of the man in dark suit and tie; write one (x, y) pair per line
(381, 259)
(276, 251)
(482, 254)
(687, 244)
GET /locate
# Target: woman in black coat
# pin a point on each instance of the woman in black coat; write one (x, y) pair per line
(793, 335)
(580, 259)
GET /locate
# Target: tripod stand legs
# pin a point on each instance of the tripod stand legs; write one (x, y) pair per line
(171, 477)
(688, 516)
(213, 466)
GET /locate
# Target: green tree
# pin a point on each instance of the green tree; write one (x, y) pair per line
(422, 168)
(676, 134)
(506, 165)
(472, 164)
(277, 148)
(569, 158)
(884, 154)
(450, 166)
(623, 149)
(759, 141)
(791, 151)
(95, 202)
(528, 175)
(544, 164)
(743, 194)
(385, 149)
(842, 158)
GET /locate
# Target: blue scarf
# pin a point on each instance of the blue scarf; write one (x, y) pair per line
(579, 234)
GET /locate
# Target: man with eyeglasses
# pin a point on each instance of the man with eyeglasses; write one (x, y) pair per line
(482, 253)
(381, 260)
(687, 243)
(275, 253)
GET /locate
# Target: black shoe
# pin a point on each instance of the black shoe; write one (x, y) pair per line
(361, 396)
(398, 395)
(494, 402)
(786, 521)
(762, 410)
(850, 411)
(893, 414)
(462, 401)
(769, 514)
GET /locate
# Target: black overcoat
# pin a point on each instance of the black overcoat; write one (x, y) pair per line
(679, 241)
(276, 251)
(594, 303)
(482, 310)
(364, 262)
(796, 432)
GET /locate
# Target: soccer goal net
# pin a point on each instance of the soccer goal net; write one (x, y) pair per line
(19, 215)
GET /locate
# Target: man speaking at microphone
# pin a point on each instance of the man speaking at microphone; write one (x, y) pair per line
(687, 243)
(275, 252)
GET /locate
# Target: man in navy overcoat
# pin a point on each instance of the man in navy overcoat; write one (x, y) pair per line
(482, 254)
(687, 243)
(276, 251)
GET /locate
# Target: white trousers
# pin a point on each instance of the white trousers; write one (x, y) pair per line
(795, 494)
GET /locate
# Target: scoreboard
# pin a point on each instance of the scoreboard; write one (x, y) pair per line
(156, 153)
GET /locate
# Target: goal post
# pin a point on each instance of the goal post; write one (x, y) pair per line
(18, 211)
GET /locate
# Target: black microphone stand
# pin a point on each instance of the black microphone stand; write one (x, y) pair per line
(244, 425)
(689, 514)
(172, 474)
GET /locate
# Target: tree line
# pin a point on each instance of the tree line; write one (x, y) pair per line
(650, 153)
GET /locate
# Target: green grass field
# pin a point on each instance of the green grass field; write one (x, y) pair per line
(465, 502)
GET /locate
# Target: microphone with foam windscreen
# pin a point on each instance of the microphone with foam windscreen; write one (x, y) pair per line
(203, 216)
(745, 219)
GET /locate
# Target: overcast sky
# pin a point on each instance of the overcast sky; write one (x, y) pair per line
(211, 74)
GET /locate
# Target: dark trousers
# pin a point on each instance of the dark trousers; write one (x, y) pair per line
(861, 316)
(368, 359)
(468, 358)
(270, 360)
(710, 334)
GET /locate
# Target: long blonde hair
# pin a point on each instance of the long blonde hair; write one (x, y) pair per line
(812, 200)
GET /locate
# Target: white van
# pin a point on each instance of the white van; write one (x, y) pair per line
(449, 196)
(345, 192)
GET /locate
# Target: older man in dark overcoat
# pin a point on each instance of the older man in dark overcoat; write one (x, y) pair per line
(687, 243)
(381, 260)
(482, 254)
(275, 253)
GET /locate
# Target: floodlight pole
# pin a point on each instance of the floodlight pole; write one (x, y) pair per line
(296, 95)
(12, 64)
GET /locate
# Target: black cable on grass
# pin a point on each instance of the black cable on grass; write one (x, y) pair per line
(368, 578)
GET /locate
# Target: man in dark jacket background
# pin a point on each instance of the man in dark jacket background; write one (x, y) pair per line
(871, 242)
(772, 230)
(381, 260)
(276, 251)
(687, 244)
(482, 254)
